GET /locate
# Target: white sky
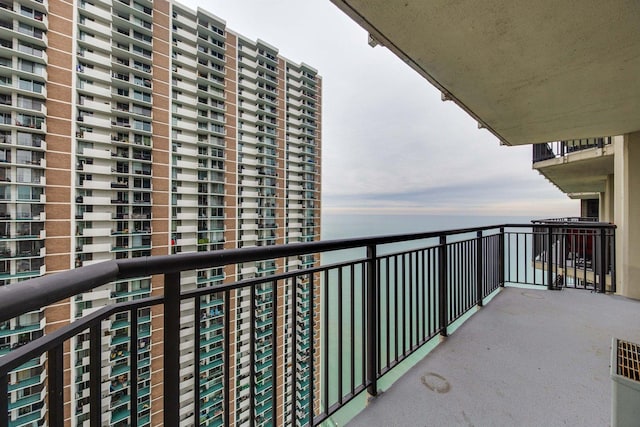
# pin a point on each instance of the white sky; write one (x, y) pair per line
(389, 143)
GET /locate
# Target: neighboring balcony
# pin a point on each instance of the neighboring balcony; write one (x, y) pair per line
(576, 167)
(385, 304)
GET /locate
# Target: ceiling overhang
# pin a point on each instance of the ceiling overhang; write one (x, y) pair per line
(527, 71)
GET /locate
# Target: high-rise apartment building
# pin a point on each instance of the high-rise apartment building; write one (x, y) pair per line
(135, 127)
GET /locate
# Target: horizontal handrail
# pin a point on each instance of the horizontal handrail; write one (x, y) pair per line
(42, 291)
(47, 342)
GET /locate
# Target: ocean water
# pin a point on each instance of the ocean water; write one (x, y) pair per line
(341, 226)
(344, 226)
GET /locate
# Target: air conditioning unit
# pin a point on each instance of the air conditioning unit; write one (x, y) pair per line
(625, 376)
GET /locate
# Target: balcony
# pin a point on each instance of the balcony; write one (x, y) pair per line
(552, 150)
(577, 167)
(529, 358)
(388, 304)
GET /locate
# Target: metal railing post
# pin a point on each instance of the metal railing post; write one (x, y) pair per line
(479, 287)
(501, 258)
(95, 382)
(613, 260)
(227, 357)
(442, 285)
(549, 257)
(55, 368)
(4, 401)
(603, 262)
(372, 320)
(311, 358)
(196, 351)
(133, 368)
(171, 399)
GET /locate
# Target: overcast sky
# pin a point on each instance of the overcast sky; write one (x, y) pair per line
(389, 143)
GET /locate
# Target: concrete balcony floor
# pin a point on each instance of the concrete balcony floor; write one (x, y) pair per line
(528, 358)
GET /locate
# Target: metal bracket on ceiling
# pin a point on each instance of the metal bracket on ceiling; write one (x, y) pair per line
(373, 42)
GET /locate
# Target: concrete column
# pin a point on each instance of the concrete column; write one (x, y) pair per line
(607, 201)
(627, 213)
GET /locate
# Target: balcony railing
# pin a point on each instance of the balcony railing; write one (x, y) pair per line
(352, 321)
(551, 150)
(567, 219)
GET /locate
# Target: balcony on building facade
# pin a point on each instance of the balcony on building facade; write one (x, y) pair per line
(560, 149)
(372, 312)
(579, 167)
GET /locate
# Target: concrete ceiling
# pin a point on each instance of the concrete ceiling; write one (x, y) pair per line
(529, 71)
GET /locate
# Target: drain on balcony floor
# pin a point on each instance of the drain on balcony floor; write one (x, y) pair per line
(435, 382)
(535, 295)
